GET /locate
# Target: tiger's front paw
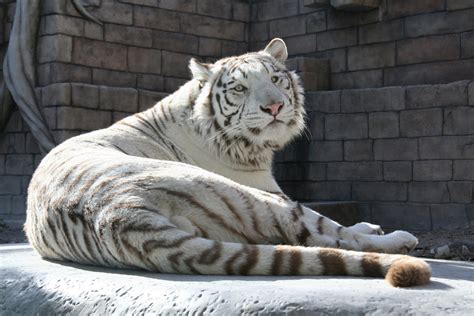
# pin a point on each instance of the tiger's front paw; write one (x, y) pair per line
(367, 228)
(401, 242)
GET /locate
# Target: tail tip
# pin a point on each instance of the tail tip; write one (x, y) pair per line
(408, 272)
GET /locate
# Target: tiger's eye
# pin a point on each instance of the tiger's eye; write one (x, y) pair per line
(275, 79)
(239, 88)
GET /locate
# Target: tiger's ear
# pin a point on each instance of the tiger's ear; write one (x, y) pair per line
(277, 48)
(199, 70)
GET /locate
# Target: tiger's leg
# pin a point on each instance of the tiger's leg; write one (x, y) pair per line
(367, 228)
(223, 210)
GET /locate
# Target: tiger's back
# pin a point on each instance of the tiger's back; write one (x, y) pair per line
(187, 187)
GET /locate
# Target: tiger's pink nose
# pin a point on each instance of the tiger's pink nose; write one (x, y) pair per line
(272, 109)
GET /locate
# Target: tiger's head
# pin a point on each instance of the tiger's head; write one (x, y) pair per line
(249, 102)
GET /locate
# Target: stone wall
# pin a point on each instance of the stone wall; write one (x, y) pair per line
(401, 43)
(398, 150)
(405, 153)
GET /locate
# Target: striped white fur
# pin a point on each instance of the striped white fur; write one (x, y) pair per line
(187, 187)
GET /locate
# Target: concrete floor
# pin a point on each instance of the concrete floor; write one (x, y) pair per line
(31, 285)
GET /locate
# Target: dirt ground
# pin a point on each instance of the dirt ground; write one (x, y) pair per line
(456, 245)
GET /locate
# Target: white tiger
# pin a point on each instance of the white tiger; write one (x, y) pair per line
(187, 187)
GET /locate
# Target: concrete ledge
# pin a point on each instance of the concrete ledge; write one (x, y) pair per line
(31, 285)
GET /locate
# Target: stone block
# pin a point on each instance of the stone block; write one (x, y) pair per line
(467, 45)
(269, 10)
(326, 191)
(21, 164)
(325, 151)
(449, 216)
(316, 81)
(128, 35)
(355, 5)
(315, 124)
(114, 12)
(231, 48)
(99, 54)
(371, 56)
(459, 4)
(176, 42)
(396, 149)
(315, 172)
(301, 44)
(150, 82)
(151, 3)
(358, 150)
(458, 121)
(118, 116)
(336, 38)
(315, 3)
(346, 126)
(69, 73)
(147, 99)
(56, 94)
(384, 125)
(212, 27)
(447, 147)
(2, 164)
(10, 185)
(336, 57)
(358, 79)
(85, 95)
(12, 143)
(259, 31)
(430, 192)
(241, 10)
(471, 93)
(401, 8)
(114, 78)
(63, 135)
(220, 9)
(387, 31)
(14, 124)
(178, 5)
(470, 214)
(370, 100)
(461, 191)
(50, 117)
(379, 191)
(287, 27)
(176, 64)
(209, 47)
(354, 171)
(32, 146)
(56, 48)
(157, 19)
(93, 30)
(5, 203)
(429, 73)
(67, 25)
(432, 170)
(421, 123)
(144, 60)
(439, 23)
(119, 99)
(316, 22)
(172, 84)
(428, 96)
(410, 216)
(426, 49)
(464, 170)
(50, 7)
(397, 171)
(71, 118)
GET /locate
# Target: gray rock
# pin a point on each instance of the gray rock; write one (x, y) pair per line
(31, 285)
